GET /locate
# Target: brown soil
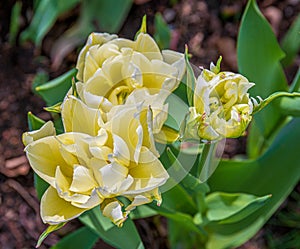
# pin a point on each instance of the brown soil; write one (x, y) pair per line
(208, 27)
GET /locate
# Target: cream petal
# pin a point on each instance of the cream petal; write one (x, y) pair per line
(93, 201)
(93, 39)
(138, 201)
(145, 44)
(83, 180)
(55, 210)
(46, 130)
(120, 152)
(112, 174)
(113, 210)
(44, 156)
(78, 117)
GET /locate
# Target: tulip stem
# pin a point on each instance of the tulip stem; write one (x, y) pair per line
(259, 106)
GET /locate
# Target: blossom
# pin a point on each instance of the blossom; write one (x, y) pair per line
(112, 68)
(222, 107)
(84, 171)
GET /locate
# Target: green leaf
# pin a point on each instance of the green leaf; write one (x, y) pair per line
(190, 79)
(295, 86)
(55, 90)
(34, 123)
(291, 42)
(108, 15)
(188, 181)
(162, 33)
(44, 17)
(259, 57)
(49, 230)
(15, 22)
(142, 212)
(181, 236)
(126, 237)
(276, 172)
(229, 208)
(83, 238)
(290, 106)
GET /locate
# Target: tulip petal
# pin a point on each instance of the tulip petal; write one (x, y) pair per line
(44, 156)
(78, 117)
(46, 130)
(55, 210)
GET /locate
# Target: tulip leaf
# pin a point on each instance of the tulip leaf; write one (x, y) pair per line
(142, 212)
(44, 17)
(110, 233)
(290, 106)
(291, 42)
(34, 123)
(49, 230)
(190, 79)
(55, 90)
(162, 33)
(188, 181)
(108, 15)
(229, 207)
(15, 20)
(295, 86)
(181, 236)
(276, 172)
(259, 57)
(83, 238)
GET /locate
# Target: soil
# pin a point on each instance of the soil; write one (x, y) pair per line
(208, 27)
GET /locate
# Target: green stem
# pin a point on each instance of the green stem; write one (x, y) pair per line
(272, 97)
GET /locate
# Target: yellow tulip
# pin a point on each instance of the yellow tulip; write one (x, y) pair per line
(222, 107)
(115, 67)
(84, 171)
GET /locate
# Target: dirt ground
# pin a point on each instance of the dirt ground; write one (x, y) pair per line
(208, 27)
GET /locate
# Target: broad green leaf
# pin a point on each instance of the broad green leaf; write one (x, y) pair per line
(162, 33)
(49, 230)
(291, 42)
(176, 113)
(230, 208)
(181, 236)
(15, 22)
(276, 172)
(142, 212)
(83, 238)
(188, 181)
(44, 17)
(126, 237)
(290, 106)
(108, 15)
(259, 57)
(190, 79)
(103, 221)
(208, 162)
(55, 90)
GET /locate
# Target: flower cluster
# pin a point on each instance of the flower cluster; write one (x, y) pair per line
(110, 117)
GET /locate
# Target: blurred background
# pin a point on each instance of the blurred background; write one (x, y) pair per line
(40, 40)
